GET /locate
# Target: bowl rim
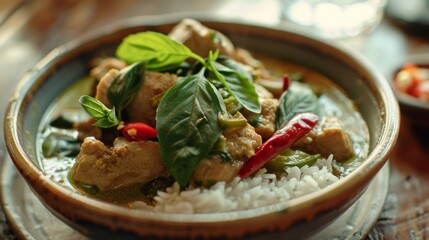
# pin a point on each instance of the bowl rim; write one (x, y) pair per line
(90, 207)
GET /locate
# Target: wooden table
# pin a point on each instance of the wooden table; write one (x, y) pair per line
(30, 29)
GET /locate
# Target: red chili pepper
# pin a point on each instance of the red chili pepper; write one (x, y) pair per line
(286, 82)
(137, 131)
(281, 140)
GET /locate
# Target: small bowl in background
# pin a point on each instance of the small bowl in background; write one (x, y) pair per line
(414, 109)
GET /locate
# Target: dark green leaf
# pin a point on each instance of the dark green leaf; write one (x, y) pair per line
(125, 86)
(238, 67)
(298, 98)
(105, 123)
(93, 107)
(105, 117)
(187, 124)
(62, 122)
(158, 50)
(239, 85)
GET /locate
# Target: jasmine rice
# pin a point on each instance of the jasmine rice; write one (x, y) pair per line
(263, 189)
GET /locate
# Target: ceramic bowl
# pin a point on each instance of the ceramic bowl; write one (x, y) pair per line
(297, 218)
(416, 111)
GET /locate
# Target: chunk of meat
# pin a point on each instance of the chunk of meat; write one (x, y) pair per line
(241, 142)
(124, 164)
(201, 39)
(332, 139)
(143, 107)
(104, 85)
(104, 65)
(267, 124)
(215, 169)
(266, 121)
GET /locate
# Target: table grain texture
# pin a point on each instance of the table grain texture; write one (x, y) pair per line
(30, 29)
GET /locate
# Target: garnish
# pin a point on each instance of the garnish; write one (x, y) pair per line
(106, 118)
(237, 83)
(159, 51)
(187, 124)
(125, 86)
(138, 131)
(298, 98)
(187, 116)
(282, 139)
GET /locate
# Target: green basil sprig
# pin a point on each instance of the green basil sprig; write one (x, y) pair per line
(298, 98)
(159, 51)
(187, 116)
(187, 124)
(125, 86)
(106, 118)
(238, 85)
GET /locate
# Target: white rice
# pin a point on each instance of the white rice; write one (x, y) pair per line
(261, 190)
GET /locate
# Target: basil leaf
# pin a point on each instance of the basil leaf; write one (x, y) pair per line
(158, 50)
(93, 107)
(187, 124)
(238, 67)
(105, 117)
(239, 85)
(105, 123)
(125, 86)
(298, 98)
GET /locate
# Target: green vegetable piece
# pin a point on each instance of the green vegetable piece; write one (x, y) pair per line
(229, 121)
(105, 117)
(125, 86)
(290, 158)
(159, 51)
(299, 98)
(188, 125)
(238, 85)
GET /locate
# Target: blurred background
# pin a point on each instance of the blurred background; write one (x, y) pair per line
(386, 32)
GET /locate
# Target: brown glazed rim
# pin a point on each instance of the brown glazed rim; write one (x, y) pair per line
(82, 208)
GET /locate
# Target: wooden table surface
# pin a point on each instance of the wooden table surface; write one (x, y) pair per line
(30, 29)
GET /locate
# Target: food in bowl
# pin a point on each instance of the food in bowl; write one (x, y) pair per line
(189, 123)
(413, 80)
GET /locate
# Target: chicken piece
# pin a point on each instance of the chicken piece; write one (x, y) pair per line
(104, 85)
(244, 56)
(102, 66)
(332, 139)
(215, 169)
(200, 39)
(124, 164)
(241, 142)
(143, 106)
(265, 123)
